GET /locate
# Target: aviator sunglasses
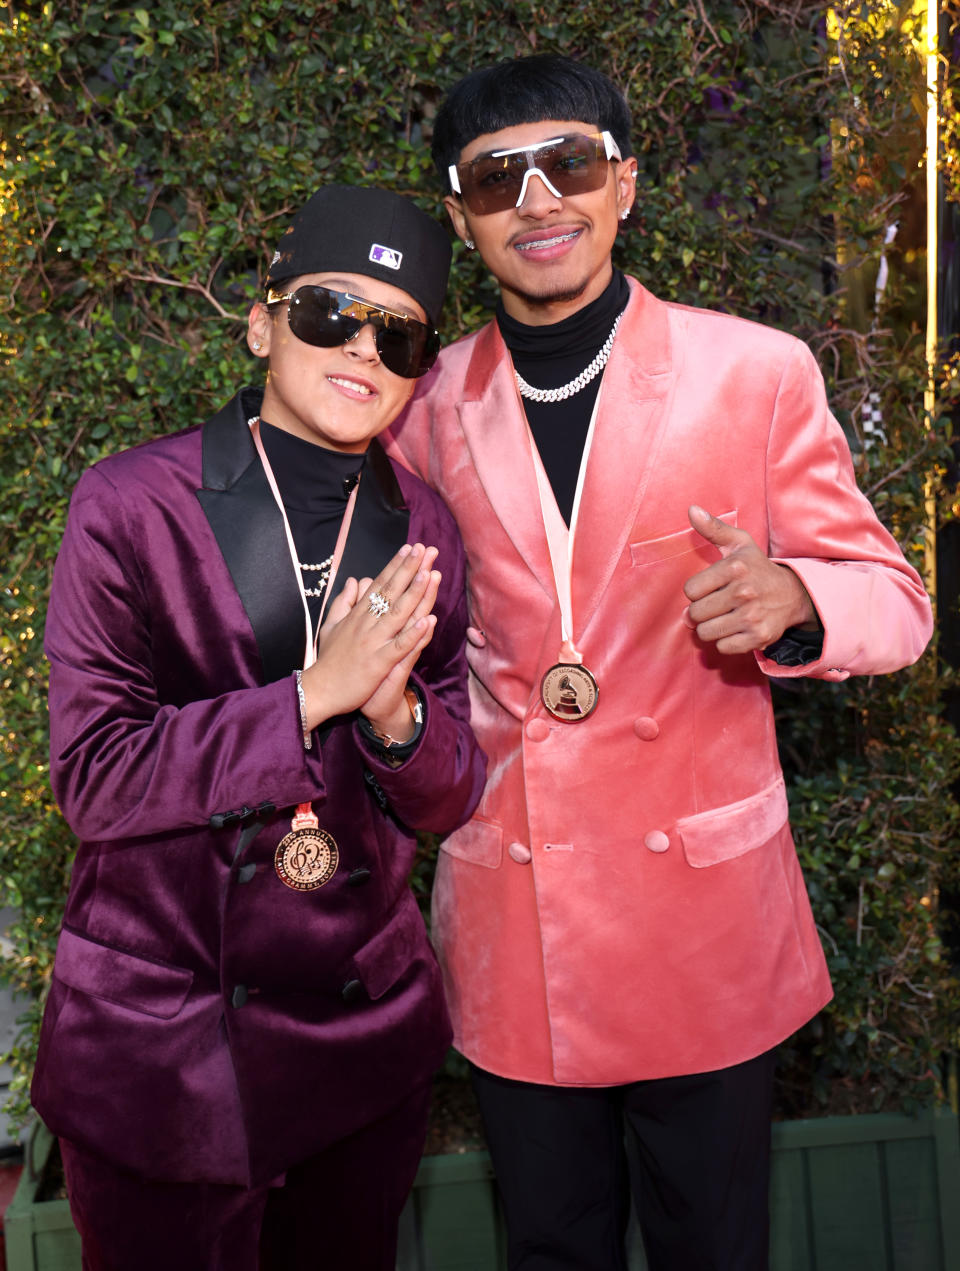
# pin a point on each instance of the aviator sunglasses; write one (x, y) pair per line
(326, 318)
(493, 182)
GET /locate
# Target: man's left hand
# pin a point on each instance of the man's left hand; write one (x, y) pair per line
(745, 601)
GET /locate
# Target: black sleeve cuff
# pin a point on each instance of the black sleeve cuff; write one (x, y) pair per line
(397, 753)
(795, 647)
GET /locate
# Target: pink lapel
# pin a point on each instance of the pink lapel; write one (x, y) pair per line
(630, 425)
(495, 430)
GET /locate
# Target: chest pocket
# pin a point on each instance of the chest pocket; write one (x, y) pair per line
(651, 551)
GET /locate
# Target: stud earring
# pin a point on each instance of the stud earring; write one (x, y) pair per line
(624, 214)
(256, 346)
(469, 244)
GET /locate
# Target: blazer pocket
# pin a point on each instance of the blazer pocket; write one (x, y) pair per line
(402, 940)
(725, 833)
(152, 988)
(653, 550)
(479, 842)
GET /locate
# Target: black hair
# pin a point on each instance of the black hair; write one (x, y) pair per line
(525, 90)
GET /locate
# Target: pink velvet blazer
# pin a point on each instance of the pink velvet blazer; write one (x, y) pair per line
(626, 902)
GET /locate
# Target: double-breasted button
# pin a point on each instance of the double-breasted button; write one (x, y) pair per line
(245, 873)
(357, 877)
(353, 991)
(239, 996)
(646, 728)
(656, 841)
(520, 853)
(537, 730)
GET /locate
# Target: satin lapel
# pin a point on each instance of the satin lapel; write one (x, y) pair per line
(495, 429)
(632, 417)
(241, 511)
(380, 520)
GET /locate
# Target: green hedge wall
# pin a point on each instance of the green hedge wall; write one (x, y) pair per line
(148, 157)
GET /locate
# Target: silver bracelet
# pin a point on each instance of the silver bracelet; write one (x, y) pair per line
(307, 739)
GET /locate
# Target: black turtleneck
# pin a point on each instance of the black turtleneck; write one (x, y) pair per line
(549, 356)
(314, 484)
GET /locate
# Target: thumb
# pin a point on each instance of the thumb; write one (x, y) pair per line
(341, 605)
(726, 537)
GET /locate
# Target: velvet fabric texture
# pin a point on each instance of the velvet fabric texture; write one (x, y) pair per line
(326, 1209)
(206, 1022)
(626, 902)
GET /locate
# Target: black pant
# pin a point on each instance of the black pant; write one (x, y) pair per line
(700, 1173)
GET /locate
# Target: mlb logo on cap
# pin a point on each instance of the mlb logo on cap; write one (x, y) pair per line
(385, 256)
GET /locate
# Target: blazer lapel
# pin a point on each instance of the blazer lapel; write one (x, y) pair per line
(246, 521)
(631, 421)
(495, 429)
(241, 510)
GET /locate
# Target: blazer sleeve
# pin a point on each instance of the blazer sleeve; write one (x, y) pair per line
(440, 784)
(875, 612)
(122, 763)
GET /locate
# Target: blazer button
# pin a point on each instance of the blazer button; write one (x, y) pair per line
(353, 991)
(239, 996)
(646, 728)
(537, 730)
(656, 841)
(245, 873)
(357, 877)
(520, 853)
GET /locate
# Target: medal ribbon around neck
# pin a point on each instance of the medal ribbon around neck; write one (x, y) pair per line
(568, 690)
(307, 857)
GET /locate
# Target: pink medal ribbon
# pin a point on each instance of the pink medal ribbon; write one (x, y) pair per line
(568, 690)
(307, 857)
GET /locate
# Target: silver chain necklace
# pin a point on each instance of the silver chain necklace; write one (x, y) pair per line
(581, 381)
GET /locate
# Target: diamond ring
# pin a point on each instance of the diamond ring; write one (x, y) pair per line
(379, 604)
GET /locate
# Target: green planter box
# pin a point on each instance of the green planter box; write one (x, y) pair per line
(872, 1193)
(39, 1235)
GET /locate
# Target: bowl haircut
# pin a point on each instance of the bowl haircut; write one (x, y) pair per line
(525, 90)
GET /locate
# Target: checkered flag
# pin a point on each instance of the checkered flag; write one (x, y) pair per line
(872, 420)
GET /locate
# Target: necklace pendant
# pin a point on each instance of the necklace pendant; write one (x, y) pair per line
(569, 692)
(306, 858)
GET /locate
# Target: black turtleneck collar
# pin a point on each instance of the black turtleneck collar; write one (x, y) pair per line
(314, 484)
(311, 478)
(572, 342)
(550, 356)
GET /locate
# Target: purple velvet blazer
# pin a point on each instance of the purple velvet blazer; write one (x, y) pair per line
(206, 1022)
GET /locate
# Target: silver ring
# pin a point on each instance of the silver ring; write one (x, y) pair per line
(379, 604)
